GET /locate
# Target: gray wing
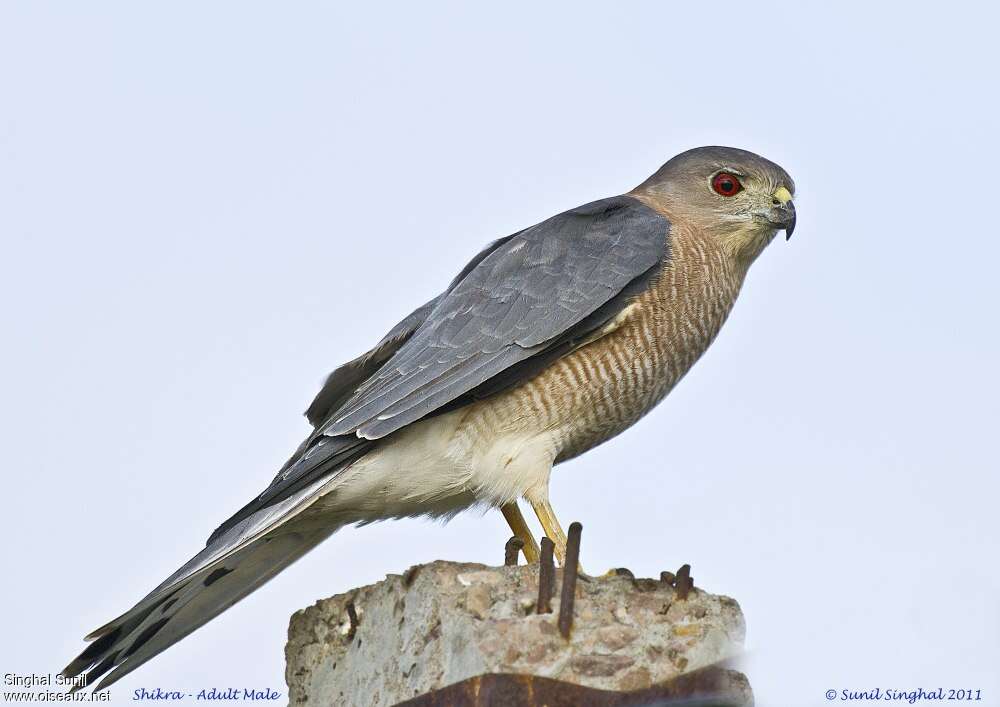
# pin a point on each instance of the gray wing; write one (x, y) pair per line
(522, 302)
(516, 302)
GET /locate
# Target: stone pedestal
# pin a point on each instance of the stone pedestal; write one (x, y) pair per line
(442, 623)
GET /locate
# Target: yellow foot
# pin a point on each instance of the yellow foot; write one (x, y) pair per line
(550, 524)
(554, 531)
(521, 530)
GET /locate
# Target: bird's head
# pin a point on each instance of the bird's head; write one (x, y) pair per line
(735, 196)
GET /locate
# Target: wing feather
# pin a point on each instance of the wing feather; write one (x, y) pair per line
(520, 297)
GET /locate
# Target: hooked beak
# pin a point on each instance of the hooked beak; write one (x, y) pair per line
(783, 214)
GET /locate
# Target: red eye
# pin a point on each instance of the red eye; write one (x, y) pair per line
(726, 184)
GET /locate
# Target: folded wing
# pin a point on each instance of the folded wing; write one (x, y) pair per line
(515, 303)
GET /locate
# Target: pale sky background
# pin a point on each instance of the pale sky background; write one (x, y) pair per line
(205, 207)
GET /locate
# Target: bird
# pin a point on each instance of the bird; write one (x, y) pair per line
(549, 342)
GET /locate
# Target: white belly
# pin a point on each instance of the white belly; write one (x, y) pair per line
(439, 467)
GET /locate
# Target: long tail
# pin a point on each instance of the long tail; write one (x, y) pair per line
(165, 617)
(262, 539)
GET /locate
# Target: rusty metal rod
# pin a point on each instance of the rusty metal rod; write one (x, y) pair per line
(352, 616)
(510, 550)
(546, 577)
(707, 687)
(683, 582)
(568, 596)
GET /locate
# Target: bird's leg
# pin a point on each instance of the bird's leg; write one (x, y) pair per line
(554, 531)
(521, 530)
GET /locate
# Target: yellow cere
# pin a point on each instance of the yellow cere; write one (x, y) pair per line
(783, 195)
